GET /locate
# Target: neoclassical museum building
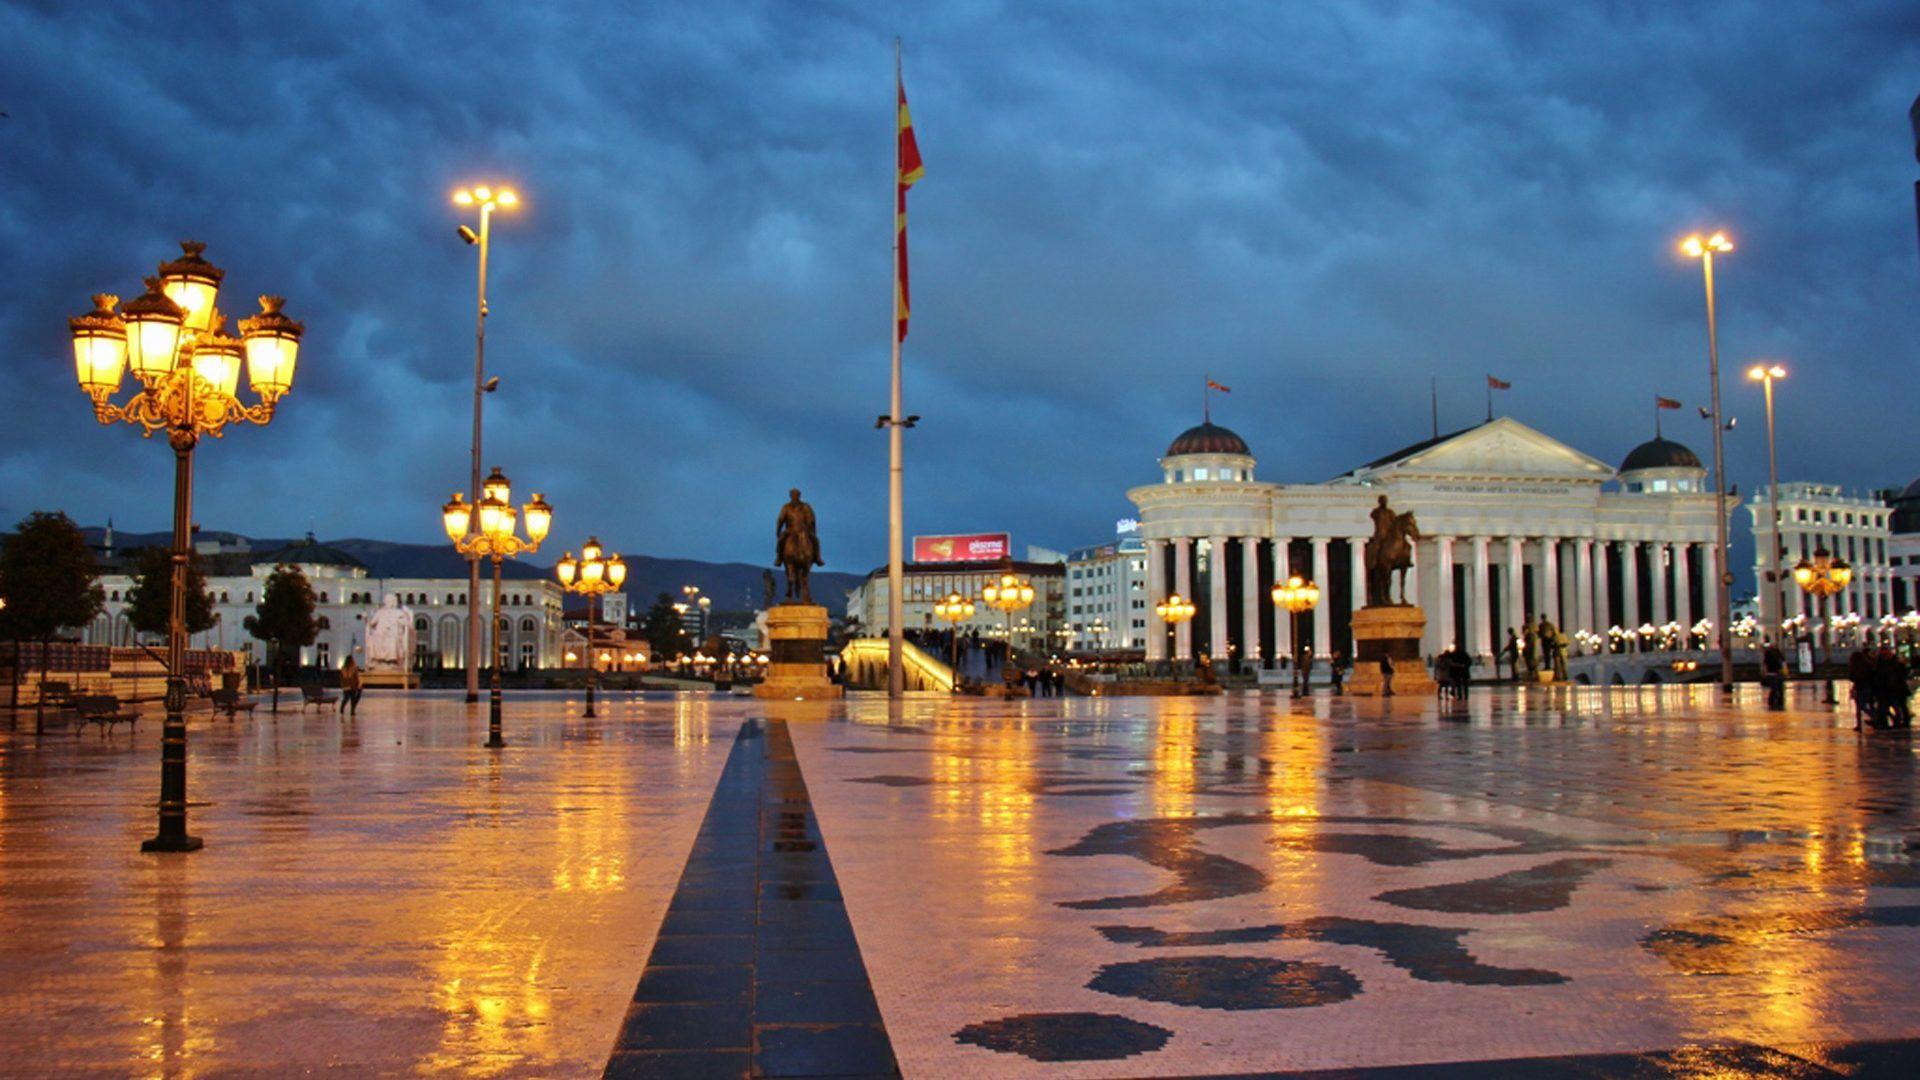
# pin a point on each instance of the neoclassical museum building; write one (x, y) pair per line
(1513, 523)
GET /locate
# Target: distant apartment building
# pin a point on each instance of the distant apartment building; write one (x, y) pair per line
(1107, 603)
(1815, 517)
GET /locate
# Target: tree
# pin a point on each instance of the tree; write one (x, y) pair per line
(664, 631)
(47, 580)
(284, 620)
(150, 599)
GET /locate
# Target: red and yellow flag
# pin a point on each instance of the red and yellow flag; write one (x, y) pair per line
(909, 172)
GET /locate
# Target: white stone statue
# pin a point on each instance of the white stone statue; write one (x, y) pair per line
(390, 637)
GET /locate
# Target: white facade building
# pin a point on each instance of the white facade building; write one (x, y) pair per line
(346, 593)
(1903, 548)
(928, 582)
(1107, 605)
(1816, 516)
(1513, 524)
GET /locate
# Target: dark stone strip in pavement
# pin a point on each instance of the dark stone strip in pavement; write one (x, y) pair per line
(1805, 1061)
(756, 971)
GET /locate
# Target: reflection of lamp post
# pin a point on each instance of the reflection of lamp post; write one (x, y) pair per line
(592, 575)
(495, 539)
(953, 609)
(1297, 596)
(1010, 594)
(1704, 248)
(173, 340)
(1765, 374)
(1173, 611)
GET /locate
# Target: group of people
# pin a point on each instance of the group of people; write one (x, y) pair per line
(1539, 647)
(1045, 682)
(1881, 691)
(1453, 671)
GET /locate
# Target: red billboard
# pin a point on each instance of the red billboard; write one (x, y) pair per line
(971, 547)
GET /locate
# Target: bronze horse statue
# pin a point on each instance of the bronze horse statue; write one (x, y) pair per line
(1390, 551)
(796, 547)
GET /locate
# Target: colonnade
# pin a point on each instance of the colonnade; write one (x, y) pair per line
(1508, 583)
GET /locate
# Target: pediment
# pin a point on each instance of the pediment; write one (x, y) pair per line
(1499, 448)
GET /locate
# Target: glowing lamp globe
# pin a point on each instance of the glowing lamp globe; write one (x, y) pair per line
(153, 325)
(273, 347)
(99, 347)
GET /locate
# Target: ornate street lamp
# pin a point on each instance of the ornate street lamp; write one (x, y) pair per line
(1821, 577)
(1297, 596)
(490, 534)
(487, 199)
(1173, 611)
(172, 339)
(1010, 594)
(592, 575)
(953, 609)
(1705, 248)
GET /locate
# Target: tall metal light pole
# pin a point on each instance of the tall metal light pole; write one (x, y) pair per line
(1765, 374)
(489, 533)
(486, 199)
(1704, 248)
(173, 339)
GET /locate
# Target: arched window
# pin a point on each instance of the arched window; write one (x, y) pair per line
(323, 598)
(321, 623)
(115, 597)
(223, 596)
(529, 626)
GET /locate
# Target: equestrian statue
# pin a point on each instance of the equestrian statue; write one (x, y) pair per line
(1390, 550)
(796, 547)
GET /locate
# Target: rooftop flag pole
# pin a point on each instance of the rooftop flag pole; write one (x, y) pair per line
(1433, 387)
(1492, 385)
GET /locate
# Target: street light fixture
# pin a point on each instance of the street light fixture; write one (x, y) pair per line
(592, 575)
(1765, 374)
(1173, 611)
(953, 609)
(1822, 577)
(495, 539)
(1009, 594)
(487, 199)
(1704, 249)
(1297, 596)
(171, 337)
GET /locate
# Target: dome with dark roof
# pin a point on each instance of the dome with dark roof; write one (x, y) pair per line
(1911, 491)
(311, 552)
(1658, 453)
(1208, 438)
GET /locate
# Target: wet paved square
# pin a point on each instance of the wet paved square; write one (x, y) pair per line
(1643, 881)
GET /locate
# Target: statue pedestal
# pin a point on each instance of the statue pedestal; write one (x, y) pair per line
(1393, 632)
(797, 658)
(389, 679)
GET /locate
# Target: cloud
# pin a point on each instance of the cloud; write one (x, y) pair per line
(1324, 206)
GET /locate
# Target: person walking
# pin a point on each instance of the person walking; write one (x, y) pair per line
(1510, 653)
(1860, 672)
(1773, 672)
(349, 687)
(1386, 675)
(1337, 670)
(1891, 690)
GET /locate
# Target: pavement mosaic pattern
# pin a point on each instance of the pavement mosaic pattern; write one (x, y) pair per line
(1635, 881)
(1644, 882)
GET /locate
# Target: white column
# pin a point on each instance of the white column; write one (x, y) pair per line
(1550, 577)
(1156, 592)
(1217, 598)
(1357, 572)
(1322, 620)
(1250, 599)
(1682, 581)
(1183, 584)
(1516, 587)
(1710, 592)
(1602, 590)
(1583, 582)
(1443, 589)
(1282, 622)
(1477, 620)
(1657, 613)
(1630, 585)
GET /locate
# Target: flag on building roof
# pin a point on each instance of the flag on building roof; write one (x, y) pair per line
(1498, 384)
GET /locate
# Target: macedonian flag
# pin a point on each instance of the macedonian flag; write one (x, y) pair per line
(909, 172)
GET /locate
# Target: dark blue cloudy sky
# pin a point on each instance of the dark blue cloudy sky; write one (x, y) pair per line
(1322, 205)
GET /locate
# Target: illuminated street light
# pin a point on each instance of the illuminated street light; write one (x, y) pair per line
(1822, 577)
(172, 338)
(1297, 596)
(1009, 594)
(1765, 374)
(487, 199)
(1704, 249)
(1173, 611)
(592, 575)
(953, 609)
(495, 539)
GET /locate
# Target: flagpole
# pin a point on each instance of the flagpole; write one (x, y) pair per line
(896, 517)
(1489, 399)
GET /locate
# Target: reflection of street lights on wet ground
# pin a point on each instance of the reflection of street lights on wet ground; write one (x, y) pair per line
(173, 340)
(495, 539)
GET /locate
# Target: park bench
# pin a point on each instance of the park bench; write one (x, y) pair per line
(57, 693)
(231, 703)
(102, 709)
(313, 694)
